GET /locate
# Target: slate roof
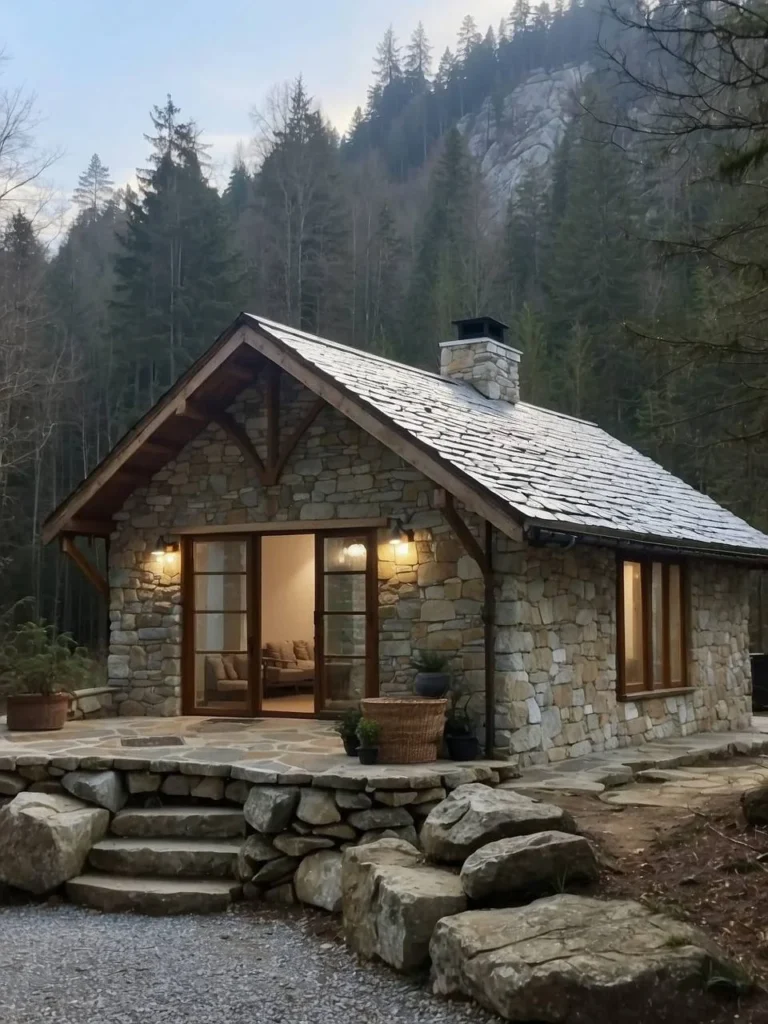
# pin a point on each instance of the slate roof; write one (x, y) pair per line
(554, 471)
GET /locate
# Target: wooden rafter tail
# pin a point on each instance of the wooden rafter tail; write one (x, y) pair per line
(465, 535)
(275, 472)
(88, 570)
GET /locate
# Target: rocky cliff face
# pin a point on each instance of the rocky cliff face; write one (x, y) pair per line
(526, 134)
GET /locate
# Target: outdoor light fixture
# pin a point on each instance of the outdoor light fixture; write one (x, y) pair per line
(163, 548)
(399, 537)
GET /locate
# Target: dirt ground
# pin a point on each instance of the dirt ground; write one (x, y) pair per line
(698, 861)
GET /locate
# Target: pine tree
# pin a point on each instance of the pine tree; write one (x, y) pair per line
(176, 275)
(439, 283)
(94, 187)
(387, 60)
(468, 38)
(418, 59)
(519, 17)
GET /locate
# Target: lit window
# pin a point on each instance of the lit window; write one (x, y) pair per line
(652, 653)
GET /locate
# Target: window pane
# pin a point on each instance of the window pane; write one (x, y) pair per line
(345, 554)
(676, 652)
(345, 635)
(634, 654)
(221, 680)
(219, 555)
(220, 593)
(216, 631)
(345, 682)
(657, 623)
(344, 593)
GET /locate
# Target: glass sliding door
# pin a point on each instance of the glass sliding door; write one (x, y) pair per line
(345, 618)
(217, 589)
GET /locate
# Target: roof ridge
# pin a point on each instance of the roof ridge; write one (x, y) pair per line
(351, 348)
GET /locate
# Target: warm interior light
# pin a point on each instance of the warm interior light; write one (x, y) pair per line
(355, 550)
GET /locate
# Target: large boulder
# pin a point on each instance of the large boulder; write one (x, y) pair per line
(318, 880)
(576, 960)
(534, 864)
(105, 789)
(392, 901)
(45, 840)
(475, 815)
(269, 809)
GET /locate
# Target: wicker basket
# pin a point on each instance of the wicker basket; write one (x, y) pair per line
(411, 728)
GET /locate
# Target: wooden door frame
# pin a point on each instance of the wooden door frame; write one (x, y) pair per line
(253, 541)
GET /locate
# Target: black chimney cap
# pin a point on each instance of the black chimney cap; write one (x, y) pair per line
(481, 327)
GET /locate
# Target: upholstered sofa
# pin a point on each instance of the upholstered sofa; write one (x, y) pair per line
(286, 664)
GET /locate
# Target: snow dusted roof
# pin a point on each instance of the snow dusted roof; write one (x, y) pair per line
(551, 470)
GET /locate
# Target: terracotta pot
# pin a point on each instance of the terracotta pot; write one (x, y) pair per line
(36, 712)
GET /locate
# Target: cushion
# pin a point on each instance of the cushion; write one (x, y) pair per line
(229, 666)
(215, 663)
(281, 651)
(304, 650)
(241, 665)
(305, 664)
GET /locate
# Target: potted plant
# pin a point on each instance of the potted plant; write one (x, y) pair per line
(368, 733)
(459, 735)
(40, 668)
(346, 727)
(432, 678)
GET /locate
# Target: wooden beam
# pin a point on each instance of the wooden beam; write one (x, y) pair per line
(158, 448)
(88, 570)
(273, 417)
(91, 527)
(465, 535)
(237, 435)
(274, 473)
(290, 526)
(228, 344)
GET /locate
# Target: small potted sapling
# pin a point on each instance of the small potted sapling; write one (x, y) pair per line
(432, 676)
(460, 737)
(368, 733)
(346, 727)
(41, 667)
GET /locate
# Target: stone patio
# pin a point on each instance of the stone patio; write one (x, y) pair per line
(291, 746)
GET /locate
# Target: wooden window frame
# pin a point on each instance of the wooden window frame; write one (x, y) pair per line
(650, 687)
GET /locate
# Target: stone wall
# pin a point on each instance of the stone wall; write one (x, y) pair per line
(430, 595)
(556, 609)
(556, 656)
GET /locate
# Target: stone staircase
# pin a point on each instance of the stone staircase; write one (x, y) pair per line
(166, 860)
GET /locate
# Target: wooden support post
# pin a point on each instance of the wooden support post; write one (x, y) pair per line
(484, 559)
(274, 471)
(88, 570)
(237, 435)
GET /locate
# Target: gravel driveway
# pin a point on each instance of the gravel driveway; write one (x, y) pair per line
(64, 965)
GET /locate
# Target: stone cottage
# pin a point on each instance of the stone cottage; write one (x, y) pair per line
(295, 519)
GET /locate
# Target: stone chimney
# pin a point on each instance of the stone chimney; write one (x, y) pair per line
(482, 358)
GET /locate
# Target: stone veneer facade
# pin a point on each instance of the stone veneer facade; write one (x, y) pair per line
(556, 610)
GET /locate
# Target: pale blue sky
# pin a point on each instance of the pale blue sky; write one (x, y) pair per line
(97, 66)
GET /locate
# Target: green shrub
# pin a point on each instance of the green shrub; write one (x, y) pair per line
(36, 658)
(347, 725)
(368, 732)
(429, 661)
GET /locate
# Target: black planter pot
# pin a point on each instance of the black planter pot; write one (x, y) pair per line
(462, 748)
(368, 755)
(432, 685)
(350, 745)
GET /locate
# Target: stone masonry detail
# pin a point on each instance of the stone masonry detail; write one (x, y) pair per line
(556, 610)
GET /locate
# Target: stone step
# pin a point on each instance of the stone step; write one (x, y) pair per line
(190, 822)
(168, 857)
(156, 896)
